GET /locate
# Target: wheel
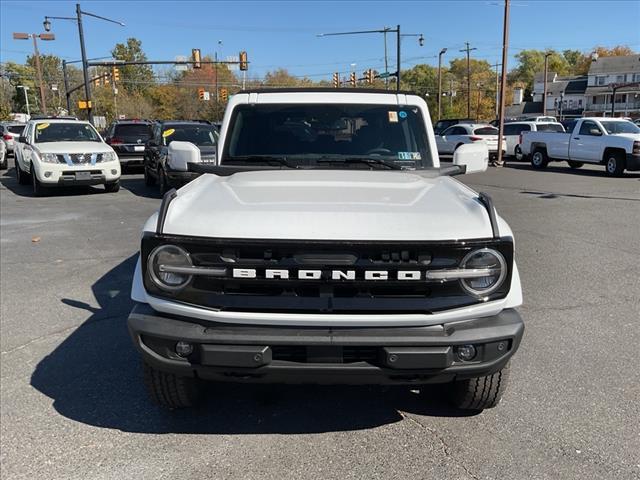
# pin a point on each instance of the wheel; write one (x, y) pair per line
(517, 152)
(614, 164)
(575, 165)
(149, 181)
(171, 391)
(23, 178)
(480, 393)
(162, 181)
(112, 187)
(539, 159)
(38, 189)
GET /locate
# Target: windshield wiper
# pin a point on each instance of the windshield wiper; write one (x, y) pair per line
(268, 159)
(366, 160)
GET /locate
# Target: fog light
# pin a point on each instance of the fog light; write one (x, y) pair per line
(114, 171)
(184, 349)
(47, 174)
(466, 352)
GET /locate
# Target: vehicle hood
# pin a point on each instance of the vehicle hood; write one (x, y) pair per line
(327, 205)
(632, 136)
(72, 147)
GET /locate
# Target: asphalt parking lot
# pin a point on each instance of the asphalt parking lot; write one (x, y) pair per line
(73, 405)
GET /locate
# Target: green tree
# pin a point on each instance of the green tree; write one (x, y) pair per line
(134, 78)
(531, 62)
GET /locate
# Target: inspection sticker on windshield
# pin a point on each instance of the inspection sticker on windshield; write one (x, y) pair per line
(409, 156)
(393, 117)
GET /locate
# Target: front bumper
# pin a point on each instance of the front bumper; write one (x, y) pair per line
(51, 174)
(360, 355)
(633, 162)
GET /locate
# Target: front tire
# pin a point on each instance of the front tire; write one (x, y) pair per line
(171, 391)
(38, 189)
(539, 159)
(614, 164)
(480, 393)
(112, 187)
(21, 176)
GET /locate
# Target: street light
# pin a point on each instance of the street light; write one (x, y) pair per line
(85, 67)
(26, 97)
(384, 31)
(35, 36)
(442, 52)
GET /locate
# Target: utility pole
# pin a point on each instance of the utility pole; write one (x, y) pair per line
(544, 91)
(497, 88)
(450, 94)
(468, 50)
(386, 62)
(26, 98)
(36, 56)
(505, 48)
(66, 86)
(442, 52)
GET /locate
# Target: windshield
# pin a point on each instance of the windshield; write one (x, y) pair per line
(200, 135)
(65, 132)
(620, 127)
(16, 129)
(309, 135)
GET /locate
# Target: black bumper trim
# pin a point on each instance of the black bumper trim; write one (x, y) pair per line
(94, 180)
(633, 162)
(227, 352)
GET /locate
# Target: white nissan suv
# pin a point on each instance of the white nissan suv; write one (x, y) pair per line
(60, 152)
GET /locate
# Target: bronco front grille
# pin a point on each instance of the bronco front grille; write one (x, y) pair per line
(324, 293)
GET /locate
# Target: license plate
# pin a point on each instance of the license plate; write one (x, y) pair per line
(83, 175)
(138, 149)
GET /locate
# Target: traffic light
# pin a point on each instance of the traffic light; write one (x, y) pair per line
(244, 63)
(224, 94)
(105, 79)
(195, 54)
(115, 73)
(352, 79)
(369, 76)
(336, 80)
(201, 93)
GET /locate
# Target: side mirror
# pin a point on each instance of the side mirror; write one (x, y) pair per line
(474, 157)
(595, 132)
(22, 139)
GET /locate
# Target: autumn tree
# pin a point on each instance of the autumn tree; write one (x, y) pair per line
(135, 78)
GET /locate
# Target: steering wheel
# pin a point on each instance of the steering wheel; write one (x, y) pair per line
(379, 151)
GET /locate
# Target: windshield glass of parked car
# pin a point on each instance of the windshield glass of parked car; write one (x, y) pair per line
(200, 135)
(65, 132)
(620, 127)
(17, 129)
(311, 135)
(486, 131)
(549, 127)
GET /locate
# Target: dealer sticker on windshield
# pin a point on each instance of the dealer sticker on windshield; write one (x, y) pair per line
(393, 117)
(168, 133)
(409, 156)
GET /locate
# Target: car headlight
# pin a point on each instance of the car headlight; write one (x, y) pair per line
(169, 267)
(493, 266)
(48, 157)
(109, 157)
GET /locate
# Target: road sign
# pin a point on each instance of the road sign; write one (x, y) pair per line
(181, 68)
(207, 96)
(384, 75)
(82, 104)
(234, 67)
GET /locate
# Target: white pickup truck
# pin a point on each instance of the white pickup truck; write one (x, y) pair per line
(614, 143)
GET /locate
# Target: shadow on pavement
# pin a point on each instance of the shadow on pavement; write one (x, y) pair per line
(135, 184)
(563, 168)
(94, 377)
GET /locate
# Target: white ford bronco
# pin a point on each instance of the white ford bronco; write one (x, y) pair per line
(328, 245)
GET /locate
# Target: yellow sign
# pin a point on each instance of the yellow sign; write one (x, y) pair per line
(42, 126)
(83, 105)
(168, 133)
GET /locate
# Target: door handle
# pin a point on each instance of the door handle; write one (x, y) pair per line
(576, 138)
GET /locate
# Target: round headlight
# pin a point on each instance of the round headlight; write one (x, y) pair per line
(165, 264)
(484, 259)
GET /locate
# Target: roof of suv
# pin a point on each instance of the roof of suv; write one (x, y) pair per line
(326, 90)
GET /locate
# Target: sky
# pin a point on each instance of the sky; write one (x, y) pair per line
(284, 34)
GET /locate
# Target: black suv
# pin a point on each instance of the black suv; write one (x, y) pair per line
(201, 133)
(128, 138)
